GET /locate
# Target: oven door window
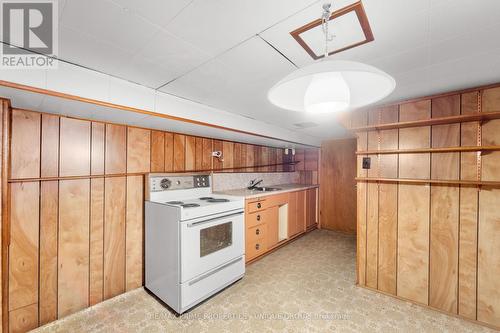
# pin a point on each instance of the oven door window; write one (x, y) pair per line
(215, 238)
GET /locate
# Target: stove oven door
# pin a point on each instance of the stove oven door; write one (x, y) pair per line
(209, 243)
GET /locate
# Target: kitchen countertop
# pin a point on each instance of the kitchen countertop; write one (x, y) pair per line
(249, 194)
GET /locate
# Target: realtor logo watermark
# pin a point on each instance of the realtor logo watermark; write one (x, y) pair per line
(29, 34)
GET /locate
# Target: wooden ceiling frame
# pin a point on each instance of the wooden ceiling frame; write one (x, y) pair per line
(356, 7)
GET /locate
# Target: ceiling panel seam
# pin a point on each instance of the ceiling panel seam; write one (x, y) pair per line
(278, 51)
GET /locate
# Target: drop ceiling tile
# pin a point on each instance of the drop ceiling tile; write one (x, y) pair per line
(108, 22)
(85, 50)
(173, 51)
(473, 42)
(171, 55)
(403, 62)
(254, 60)
(409, 85)
(216, 26)
(159, 12)
(145, 72)
(471, 15)
(202, 84)
(395, 30)
(476, 69)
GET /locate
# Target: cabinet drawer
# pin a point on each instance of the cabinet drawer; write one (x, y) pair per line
(256, 233)
(256, 206)
(255, 249)
(253, 219)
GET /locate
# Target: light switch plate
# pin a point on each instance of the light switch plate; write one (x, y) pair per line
(366, 162)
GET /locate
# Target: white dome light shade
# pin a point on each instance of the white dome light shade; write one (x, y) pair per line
(327, 92)
(304, 88)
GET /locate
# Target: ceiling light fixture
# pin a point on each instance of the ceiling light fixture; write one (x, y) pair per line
(331, 85)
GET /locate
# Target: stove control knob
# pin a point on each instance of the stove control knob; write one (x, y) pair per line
(165, 183)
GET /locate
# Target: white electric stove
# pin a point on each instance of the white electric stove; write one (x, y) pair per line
(194, 240)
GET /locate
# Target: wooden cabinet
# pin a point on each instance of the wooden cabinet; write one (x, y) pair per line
(272, 227)
(295, 210)
(292, 213)
(296, 213)
(257, 219)
(311, 207)
(255, 247)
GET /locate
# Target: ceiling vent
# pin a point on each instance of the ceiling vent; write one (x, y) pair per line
(349, 25)
(306, 124)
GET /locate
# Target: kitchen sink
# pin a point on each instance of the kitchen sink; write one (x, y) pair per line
(267, 189)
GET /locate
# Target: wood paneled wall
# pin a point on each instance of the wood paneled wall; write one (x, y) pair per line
(76, 206)
(307, 166)
(437, 244)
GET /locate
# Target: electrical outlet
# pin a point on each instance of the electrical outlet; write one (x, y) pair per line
(366, 162)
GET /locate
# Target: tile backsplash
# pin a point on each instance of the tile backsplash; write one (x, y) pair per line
(232, 181)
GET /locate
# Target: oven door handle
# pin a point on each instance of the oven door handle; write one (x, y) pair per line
(194, 224)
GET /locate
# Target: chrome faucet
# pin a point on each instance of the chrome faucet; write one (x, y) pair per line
(254, 183)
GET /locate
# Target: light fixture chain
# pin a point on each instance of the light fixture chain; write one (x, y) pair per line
(325, 18)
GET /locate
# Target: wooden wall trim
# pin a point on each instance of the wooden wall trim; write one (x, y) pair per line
(429, 181)
(429, 150)
(5, 225)
(18, 180)
(137, 110)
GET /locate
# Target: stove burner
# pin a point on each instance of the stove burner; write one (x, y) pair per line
(217, 200)
(190, 205)
(206, 198)
(175, 202)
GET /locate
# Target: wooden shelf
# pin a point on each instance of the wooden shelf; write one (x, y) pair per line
(428, 122)
(428, 181)
(429, 150)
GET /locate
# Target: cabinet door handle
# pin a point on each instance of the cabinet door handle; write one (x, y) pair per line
(257, 231)
(258, 217)
(257, 246)
(259, 205)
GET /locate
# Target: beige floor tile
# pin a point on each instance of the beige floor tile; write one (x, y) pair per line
(306, 286)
